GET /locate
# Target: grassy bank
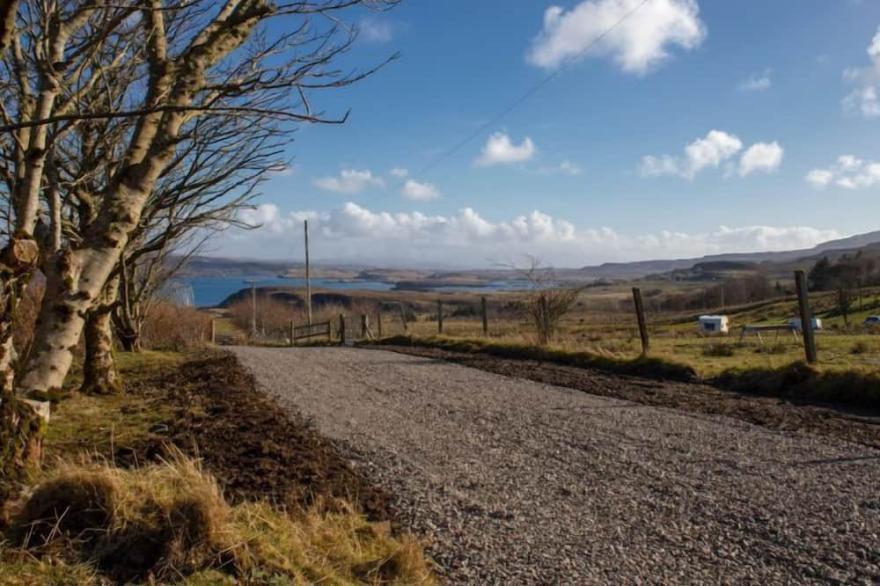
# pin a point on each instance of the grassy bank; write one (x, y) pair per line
(840, 382)
(644, 366)
(121, 498)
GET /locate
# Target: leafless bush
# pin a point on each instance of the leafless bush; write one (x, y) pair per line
(546, 302)
(175, 327)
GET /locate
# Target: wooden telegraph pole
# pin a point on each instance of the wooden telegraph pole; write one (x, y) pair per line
(800, 281)
(439, 317)
(640, 315)
(485, 316)
(308, 276)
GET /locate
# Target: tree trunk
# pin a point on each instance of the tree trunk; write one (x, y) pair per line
(129, 337)
(20, 426)
(74, 281)
(100, 376)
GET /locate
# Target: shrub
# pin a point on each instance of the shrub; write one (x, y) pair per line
(174, 327)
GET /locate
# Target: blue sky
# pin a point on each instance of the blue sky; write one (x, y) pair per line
(693, 127)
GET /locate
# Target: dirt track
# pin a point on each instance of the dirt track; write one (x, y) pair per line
(522, 482)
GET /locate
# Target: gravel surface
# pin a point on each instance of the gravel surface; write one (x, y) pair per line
(518, 482)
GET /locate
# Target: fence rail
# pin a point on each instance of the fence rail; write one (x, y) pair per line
(310, 331)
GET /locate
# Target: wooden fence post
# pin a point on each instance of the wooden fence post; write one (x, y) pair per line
(213, 331)
(485, 311)
(439, 317)
(379, 323)
(800, 280)
(365, 326)
(640, 316)
(342, 328)
(403, 318)
(292, 333)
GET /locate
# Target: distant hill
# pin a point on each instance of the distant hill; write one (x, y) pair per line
(207, 266)
(781, 260)
(636, 270)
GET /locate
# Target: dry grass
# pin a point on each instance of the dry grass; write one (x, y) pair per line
(86, 521)
(170, 522)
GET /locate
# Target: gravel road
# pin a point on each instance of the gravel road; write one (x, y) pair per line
(517, 482)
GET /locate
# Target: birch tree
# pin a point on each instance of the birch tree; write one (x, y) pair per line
(188, 61)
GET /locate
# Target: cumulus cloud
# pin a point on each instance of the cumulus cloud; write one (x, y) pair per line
(762, 157)
(712, 151)
(399, 172)
(466, 238)
(350, 181)
(863, 99)
(848, 172)
(501, 150)
(566, 167)
(375, 31)
(635, 37)
(416, 191)
(757, 83)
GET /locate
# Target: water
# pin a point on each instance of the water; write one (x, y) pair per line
(211, 291)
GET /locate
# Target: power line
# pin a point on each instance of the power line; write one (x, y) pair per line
(525, 96)
(507, 110)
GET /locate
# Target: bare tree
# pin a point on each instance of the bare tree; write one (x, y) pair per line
(546, 302)
(98, 101)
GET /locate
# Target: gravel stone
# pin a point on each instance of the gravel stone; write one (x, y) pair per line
(516, 482)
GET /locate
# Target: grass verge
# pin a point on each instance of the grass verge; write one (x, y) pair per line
(795, 381)
(169, 523)
(644, 366)
(803, 383)
(121, 497)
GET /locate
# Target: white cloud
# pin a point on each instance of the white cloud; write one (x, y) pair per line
(864, 98)
(375, 31)
(350, 181)
(636, 37)
(465, 238)
(500, 150)
(710, 151)
(757, 83)
(566, 167)
(848, 172)
(820, 177)
(416, 191)
(761, 157)
(399, 172)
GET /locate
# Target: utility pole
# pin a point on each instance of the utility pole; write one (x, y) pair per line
(308, 276)
(253, 285)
